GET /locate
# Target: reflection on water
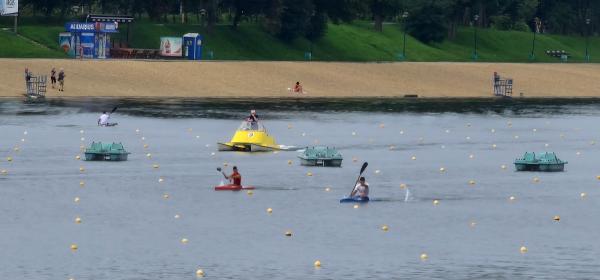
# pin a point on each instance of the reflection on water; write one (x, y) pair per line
(129, 229)
(227, 108)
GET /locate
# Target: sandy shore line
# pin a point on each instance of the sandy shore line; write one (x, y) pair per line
(128, 78)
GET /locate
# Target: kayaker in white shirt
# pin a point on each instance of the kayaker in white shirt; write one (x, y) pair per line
(361, 189)
(103, 119)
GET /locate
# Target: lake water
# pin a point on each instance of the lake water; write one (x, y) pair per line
(128, 228)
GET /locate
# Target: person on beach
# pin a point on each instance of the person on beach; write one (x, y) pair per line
(27, 79)
(103, 119)
(235, 178)
(361, 189)
(61, 80)
(253, 120)
(53, 77)
(298, 88)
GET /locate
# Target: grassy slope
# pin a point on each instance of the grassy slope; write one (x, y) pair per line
(14, 46)
(355, 42)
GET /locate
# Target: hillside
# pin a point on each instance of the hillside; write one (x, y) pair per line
(345, 42)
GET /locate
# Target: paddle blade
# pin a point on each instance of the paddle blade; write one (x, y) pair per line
(113, 110)
(364, 166)
(219, 169)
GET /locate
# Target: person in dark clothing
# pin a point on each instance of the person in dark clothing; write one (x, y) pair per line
(53, 77)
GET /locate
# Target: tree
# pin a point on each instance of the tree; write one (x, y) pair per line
(428, 23)
(381, 9)
(295, 18)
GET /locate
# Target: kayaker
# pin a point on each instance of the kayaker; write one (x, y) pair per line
(235, 177)
(103, 119)
(361, 189)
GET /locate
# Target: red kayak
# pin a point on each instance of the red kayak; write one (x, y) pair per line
(232, 187)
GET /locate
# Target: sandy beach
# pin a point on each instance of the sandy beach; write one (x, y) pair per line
(128, 78)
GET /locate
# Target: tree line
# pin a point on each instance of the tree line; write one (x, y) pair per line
(427, 20)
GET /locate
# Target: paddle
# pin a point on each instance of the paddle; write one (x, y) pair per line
(362, 169)
(219, 169)
(113, 110)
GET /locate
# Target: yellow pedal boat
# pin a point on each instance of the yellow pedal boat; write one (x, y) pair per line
(250, 137)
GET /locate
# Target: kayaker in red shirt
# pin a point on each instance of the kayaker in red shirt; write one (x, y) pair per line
(235, 177)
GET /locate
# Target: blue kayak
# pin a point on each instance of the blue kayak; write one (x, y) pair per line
(354, 199)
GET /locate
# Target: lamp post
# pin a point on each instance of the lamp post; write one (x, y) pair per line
(404, 17)
(475, 22)
(536, 26)
(587, 39)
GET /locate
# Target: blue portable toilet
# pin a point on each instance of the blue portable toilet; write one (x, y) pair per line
(192, 46)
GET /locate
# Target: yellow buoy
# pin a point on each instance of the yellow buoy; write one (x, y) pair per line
(353, 133)
(578, 153)
(512, 198)
(74, 247)
(413, 158)
(176, 216)
(78, 220)
(212, 154)
(582, 195)
(9, 159)
(556, 218)
(494, 146)
(81, 169)
(385, 228)
(184, 240)
(303, 134)
(81, 183)
(225, 164)
(503, 166)
(382, 125)
(401, 131)
(523, 249)
(155, 166)
(289, 162)
(309, 174)
(447, 130)
(288, 233)
(81, 131)
(81, 147)
(536, 179)
(493, 130)
(317, 264)
(3, 171)
(516, 136)
(145, 146)
(76, 200)
(328, 189)
(82, 139)
(472, 224)
(471, 182)
(269, 210)
(289, 126)
(442, 169)
(534, 130)
(546, 145)
(403, 186)
(356, 206)
(250, 192)
(199, 273)
(137, 130)
(166, 196)
(392, 147)
(424, 257)
(189, 129)
(16, 149)
(143, 138)
(77, 157)
(471, 156)
(23, 140)
(468, 137)
(598, 177)
(160, 180)
(436, 202)
(148, 155)
(197, 136)
(377, 171)
(592, 143)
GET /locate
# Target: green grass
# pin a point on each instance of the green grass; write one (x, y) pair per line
(345, 42)
(14, 46)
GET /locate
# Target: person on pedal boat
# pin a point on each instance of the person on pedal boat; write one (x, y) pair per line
(253, 120)
(103, 119)
(361, 189)
(235, 177)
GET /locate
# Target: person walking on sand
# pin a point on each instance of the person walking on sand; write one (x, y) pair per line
(27, 79)
(61, 80)
(53, 77)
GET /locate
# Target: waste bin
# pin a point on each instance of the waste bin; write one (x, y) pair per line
(192, 46)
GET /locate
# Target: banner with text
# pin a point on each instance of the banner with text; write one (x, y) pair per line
(9, 7)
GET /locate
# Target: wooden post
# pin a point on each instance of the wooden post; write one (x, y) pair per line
(16, 16)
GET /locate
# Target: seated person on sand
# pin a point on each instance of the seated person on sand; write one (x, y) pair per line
(298, 88)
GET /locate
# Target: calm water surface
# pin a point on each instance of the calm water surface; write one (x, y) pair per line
(128, 229)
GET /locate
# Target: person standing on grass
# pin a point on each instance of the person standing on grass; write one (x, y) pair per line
(53, 77)
(61, 80)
